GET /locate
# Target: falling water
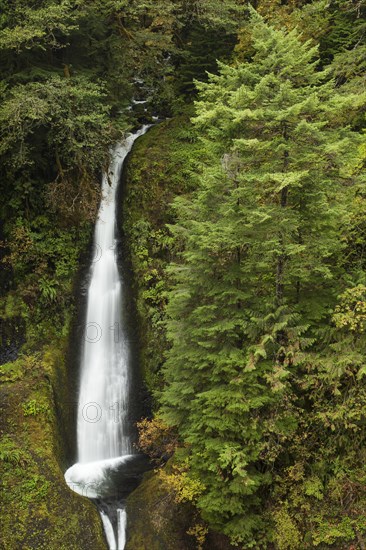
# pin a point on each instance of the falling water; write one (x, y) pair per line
(108, 529)
(103, 438)
(122, 520)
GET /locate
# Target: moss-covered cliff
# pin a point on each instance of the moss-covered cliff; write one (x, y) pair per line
(157, 170)
(155, 521)
(160, 167)
(38, 510)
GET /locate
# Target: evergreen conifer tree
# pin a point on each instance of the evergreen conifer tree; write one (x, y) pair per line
(259, 270)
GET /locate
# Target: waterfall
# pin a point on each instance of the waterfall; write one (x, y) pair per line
(103, 440)
(108, 529)
(121, 524)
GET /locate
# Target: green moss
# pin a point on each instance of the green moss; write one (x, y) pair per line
(38, 510)
(10, 372)
(287, 535)
(160, 167)
(155, 521)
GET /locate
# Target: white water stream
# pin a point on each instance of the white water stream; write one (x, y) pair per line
(103, 439)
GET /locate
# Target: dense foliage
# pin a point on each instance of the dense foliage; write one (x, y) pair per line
(69, 72)
(247, 233)
(258, 283)
(264, 376)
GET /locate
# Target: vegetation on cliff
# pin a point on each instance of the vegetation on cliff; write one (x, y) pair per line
(245, 218)
(69, 71)
(261, 288)
(255, 292)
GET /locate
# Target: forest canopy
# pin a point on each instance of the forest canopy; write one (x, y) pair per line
(253, 269)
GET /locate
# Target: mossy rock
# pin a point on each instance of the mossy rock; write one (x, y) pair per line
(155, 521)
(38, 509)
(160, 168)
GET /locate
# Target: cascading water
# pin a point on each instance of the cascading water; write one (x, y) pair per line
(103, 440)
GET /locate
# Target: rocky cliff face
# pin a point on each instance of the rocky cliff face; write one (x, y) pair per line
(37, 423)
(38, 509)
(155, 522)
